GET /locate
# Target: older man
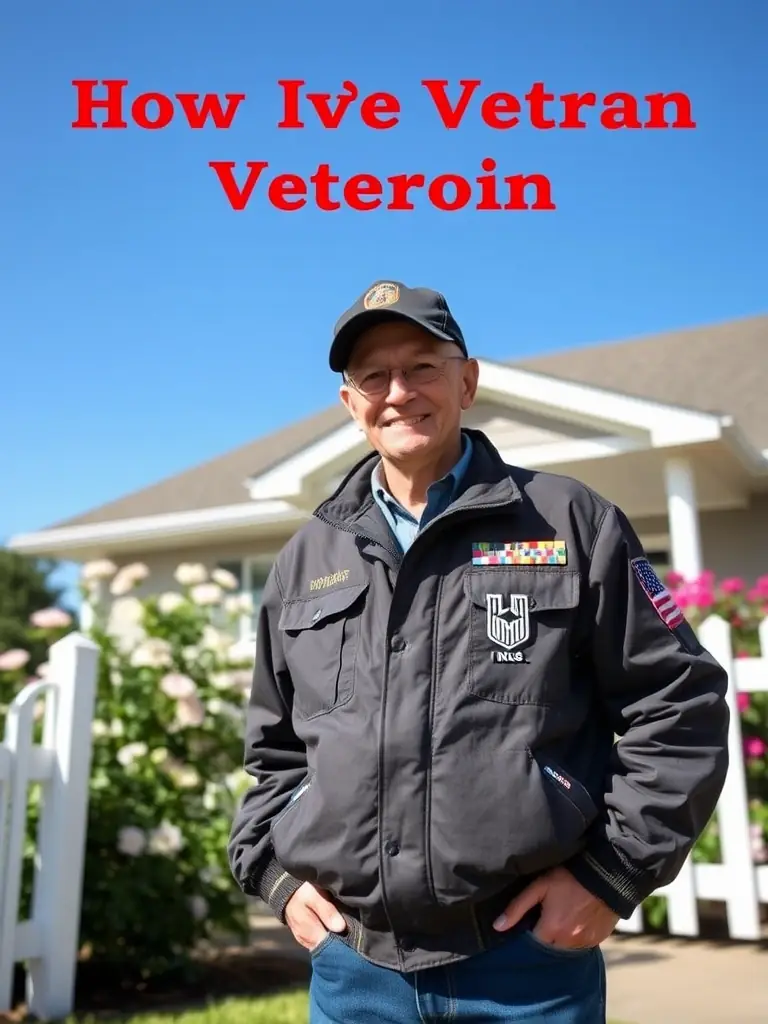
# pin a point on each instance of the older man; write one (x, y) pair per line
(479, 737)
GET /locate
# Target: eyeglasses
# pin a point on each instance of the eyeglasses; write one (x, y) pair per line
(375, 381)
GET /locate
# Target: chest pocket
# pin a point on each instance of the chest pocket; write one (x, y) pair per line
(321, 635)
(520, 632)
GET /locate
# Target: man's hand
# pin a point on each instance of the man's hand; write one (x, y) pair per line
(571, 916)
(310, 916)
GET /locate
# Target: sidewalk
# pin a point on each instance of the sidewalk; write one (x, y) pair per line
(686, 981)
(650, 981)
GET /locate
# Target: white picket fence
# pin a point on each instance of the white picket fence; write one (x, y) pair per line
(737, 881)
(48, 942)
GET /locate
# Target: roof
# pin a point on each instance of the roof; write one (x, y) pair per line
(720, 368)
(218, 481)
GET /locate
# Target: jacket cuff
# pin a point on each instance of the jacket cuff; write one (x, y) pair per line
(602, 871)
(275, 887)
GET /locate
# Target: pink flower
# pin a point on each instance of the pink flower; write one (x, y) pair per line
(742, 699)
(703, 598)
(761, 587)
(705, 580)
(50, 618)
(733, 585)
(695, 594)
(13, 659)
(754, 747)
(675, 579)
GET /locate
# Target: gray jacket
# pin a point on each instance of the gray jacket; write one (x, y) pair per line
(430, 731)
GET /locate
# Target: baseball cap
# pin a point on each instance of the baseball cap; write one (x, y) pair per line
(389, 300)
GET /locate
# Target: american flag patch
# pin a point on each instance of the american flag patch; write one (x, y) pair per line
(523, 552)
(658, 595)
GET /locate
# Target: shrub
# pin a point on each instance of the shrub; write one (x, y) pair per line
(166, 771)
(744, 607)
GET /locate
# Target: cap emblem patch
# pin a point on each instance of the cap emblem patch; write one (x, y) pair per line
(381, 295)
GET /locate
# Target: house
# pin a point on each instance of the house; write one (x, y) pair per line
(672, 427)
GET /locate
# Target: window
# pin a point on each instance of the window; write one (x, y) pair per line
(251, 574)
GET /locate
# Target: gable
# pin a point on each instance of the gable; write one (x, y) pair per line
(718, 368)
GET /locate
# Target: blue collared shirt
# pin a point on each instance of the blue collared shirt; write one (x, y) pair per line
(440, 494)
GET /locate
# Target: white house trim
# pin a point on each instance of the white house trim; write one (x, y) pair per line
(174, 525)
(635, 423)
(666, 425)
(558, 452)
(683, 516)
(285, 479)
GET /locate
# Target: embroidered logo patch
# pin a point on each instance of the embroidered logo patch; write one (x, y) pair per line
(383, 294)
(508, 625)
(520, 552)
(661, 599)
(329, 581)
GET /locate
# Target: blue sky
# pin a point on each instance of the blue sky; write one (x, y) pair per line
(147, 326)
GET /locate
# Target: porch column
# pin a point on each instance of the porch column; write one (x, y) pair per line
(683, 515)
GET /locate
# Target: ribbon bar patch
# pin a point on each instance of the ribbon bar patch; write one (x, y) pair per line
(523, 552)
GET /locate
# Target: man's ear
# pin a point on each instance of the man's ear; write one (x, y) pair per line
(346, 398)
(470, 378)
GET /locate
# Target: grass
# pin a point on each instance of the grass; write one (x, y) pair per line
(291, 1008)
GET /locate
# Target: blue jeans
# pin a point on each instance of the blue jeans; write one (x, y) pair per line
(522, 980)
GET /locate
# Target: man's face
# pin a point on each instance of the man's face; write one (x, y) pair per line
(408, 420)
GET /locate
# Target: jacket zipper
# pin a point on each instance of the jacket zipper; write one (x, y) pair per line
(294, 798)
(469, 512)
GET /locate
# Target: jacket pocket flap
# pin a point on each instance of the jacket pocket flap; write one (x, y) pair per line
(546, 589)
(315, 611)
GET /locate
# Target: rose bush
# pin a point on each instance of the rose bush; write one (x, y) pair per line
(166, 771)
(744, 606)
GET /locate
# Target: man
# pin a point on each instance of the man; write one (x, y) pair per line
(447, 653)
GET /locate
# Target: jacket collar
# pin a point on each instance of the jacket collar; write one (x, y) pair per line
(487, 481)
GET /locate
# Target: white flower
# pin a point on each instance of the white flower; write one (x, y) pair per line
(191, 653)
(222, 681)
(190, 712)
(128, 610)
(13, 659)
(242, 680)
(186, 777)
(116, 727)
(211, 796)
(152, 653)
(243, 651)
(188, 574)
(159, 756)
(198, 905)
(206, 593)
(217, 706)
(99, 728)
(43, 670)
(169, 602)
(166, 839)
(225, 579)
(131, 752)
(238, 781)
(127, 578)
(50, 618)
(131, 841)
(177, 686)
(101, 569)
(215, 640)
(116, 677)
